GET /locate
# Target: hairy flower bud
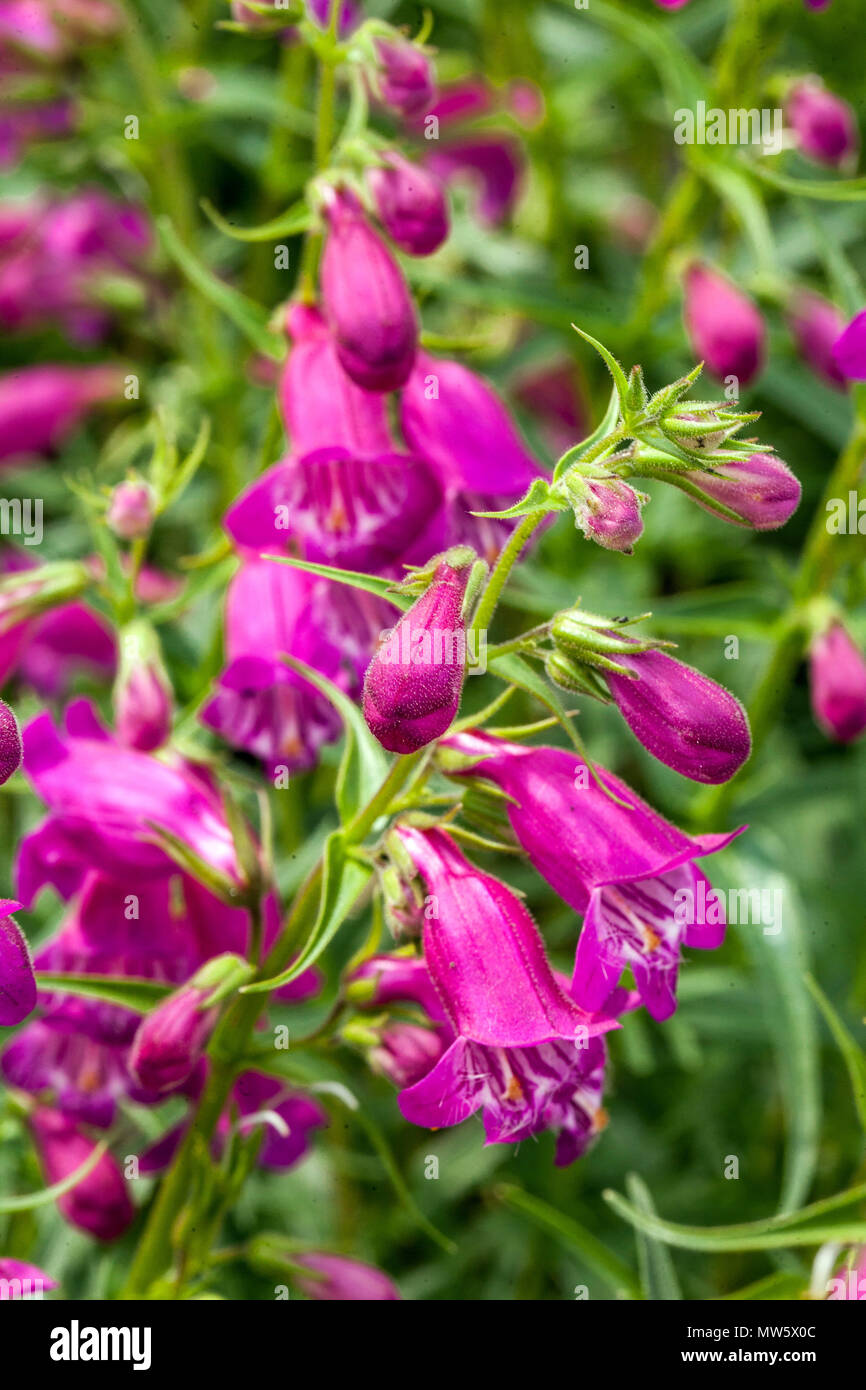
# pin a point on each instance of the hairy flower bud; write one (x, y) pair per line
(414, 682)
(366, 300)
(725, 328)
(837, 671)
(171, 1039)
(761, 491)
(682, 717)
(17, 982)
(607, 510)
(410, 202)
(11, 750)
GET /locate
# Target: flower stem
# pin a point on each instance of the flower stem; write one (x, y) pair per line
(502, 569)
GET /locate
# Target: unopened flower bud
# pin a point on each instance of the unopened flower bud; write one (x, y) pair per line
(142, 692)
(171, 1039)
(366, 300)
(406, 1052)
(607, 510)
(335, 1279)
(10, 743)
(823, 123)
(761, 491)
(837, 671)
(411, 205)
(17, 982)
(130, 511)
(725, 328)
(816, 325)
(99, 1203)
(403, 78)
(414, 682)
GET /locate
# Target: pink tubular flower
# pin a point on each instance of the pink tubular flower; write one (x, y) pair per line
(20, 1280)
(824, 124)
(171, 1039)
(40, 406)
(366, 300)
(761, 491)
(261, 704)
(523, 1052)
(725, 328)
(335, 1279)
(347, 495)
(622, 865)
(682, 717)
(414, 682)
(455, 419)
(110, 801)
(838, 684)
(493, 166)
(816, 325)
(17, 981)
(410, 203)
(849, 349)
(100, 1203)
(404, 79)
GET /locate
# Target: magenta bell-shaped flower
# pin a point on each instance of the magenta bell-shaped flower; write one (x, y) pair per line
(617, 861)
(816, 325)
(682, 717)
(17, 981)
(100, 1203)
(849, 350)
(523, 1052)
(837, 671)
(366, 300)
(414, 682)
(171, 1039)
(20, 1280)
(824, 124)
(410, 203)
(404, 78)
(336, 1279)
(725, 328)
(761, 490)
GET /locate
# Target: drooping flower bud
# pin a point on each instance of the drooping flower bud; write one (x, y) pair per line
(823, 123)
(682, 717)
(334, 1279)
(11, 750)
(130, 511)
(816, 324)
(171, 1039)
(142, 692)
(414, 682)
(366, 300)
(607, 510)
(403, 79)
(837, 671)
(17, 982)
(761, 491)
(410, 202)
(725, 328)
(100, 1203)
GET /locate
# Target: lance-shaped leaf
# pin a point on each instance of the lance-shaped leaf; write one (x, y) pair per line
(294, 220)
(605, 426)
(46, 1195)
(370, 583)
(139, 995)
(537, 497)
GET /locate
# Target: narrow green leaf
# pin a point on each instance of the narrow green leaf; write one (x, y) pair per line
(825, 190)
(720, 1238)
(370, 583)
(538, 495)
(364, 766)
(778, 1286)
(604, 427)
(852, 1053)
(249, 317)
(610, 361)
(140, 995)
(657, 1272)
(294, 220)
(47, 1195)
(344, 880)
(609, 1267)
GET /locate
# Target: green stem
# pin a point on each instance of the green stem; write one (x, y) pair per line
(502, 569)
(324, 140)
